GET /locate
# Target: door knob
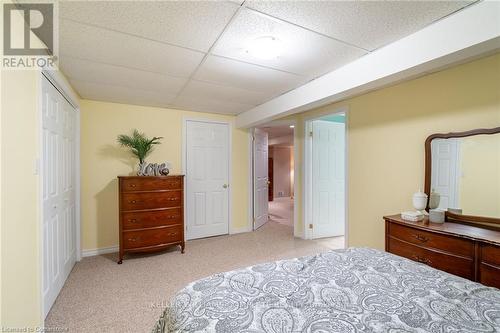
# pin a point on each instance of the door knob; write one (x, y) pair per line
(225, 185)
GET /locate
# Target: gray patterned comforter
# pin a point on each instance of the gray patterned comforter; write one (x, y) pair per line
(353, 290)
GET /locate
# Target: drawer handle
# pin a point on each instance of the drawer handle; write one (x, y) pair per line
(173, 199)
(133, 201)
(132, 220)
(421, 238)
(172, 234)
(132, 239)
(132, 185)
(171, 217)
(421, 260)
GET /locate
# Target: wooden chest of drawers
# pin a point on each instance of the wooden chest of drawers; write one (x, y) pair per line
(463, 250)
(151, 213)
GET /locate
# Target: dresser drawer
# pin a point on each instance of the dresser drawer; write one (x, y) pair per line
(149, 219)
(151, 184)
(152, 237)
(452, 264)
(490, 254)
(489, 275)
(151, 200)
(453, 245)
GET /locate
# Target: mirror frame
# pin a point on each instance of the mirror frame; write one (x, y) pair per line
(452, 217)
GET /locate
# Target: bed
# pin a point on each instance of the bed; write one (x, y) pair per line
(352, 290)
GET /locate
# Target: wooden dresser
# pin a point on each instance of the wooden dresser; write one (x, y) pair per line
(151, 213)
(467, 251)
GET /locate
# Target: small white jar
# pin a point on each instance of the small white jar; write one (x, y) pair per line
(436, 215)
(419, 200)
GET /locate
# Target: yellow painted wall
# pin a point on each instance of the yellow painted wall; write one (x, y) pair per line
(386, 133)
(102, 160)
(20, 289)
(20, 227)
(479, 184)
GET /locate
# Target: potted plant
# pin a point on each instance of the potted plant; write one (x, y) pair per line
(140, 145)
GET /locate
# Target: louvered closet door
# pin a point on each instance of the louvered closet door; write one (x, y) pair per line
(58, 188)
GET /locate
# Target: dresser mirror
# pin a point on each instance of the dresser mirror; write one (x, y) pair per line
(464, 169)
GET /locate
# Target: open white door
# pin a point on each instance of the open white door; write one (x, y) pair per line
(58, 192)
(446, 171)
(328, 179)
(207, 179)
(261, 181)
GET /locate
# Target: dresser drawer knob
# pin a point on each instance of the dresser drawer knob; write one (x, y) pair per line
(132, 220)
(133, 201)
(132, 239)
(172, 234)
(132, 185)
(421, 238)
(421, 259)
(171, 217)
(172, 199)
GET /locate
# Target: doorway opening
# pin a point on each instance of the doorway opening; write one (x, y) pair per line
(274, 171)
(326, 177)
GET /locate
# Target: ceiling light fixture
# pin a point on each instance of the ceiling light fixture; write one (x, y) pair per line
(265, 48)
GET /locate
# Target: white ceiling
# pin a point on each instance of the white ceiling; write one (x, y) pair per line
(192, 55)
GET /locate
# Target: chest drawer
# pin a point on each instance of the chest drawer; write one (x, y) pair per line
(149, 219)
(151, 183)
(453, 245)
(152, 237)
(151, 200)
(490, 254)
(489, 275)
(460, 266)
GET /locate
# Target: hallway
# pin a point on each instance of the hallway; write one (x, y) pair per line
(281, 211)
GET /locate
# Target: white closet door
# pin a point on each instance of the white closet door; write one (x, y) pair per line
(207, 179)
(261, 178)
(58, 188)
(328, 177)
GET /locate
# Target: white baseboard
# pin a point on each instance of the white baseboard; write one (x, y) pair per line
(114, 249)
(99, 251)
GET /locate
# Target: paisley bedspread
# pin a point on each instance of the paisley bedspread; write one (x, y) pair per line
(352, 290)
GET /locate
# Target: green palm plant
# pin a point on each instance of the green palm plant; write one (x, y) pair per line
(139, 144)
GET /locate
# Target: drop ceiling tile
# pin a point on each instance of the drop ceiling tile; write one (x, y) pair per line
(368, 24)
(203, 90)
(105, 46)
(304, 52)
(120, 94)
(192, 24)
(209, 105)
(84, 70)
(241, 75)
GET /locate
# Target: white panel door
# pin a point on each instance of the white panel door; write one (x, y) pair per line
(261, 178)
(207, 179)
(58, 191)
(328, 179)
(446, 171)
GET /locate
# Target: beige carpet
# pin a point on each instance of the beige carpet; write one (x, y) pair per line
(281, 210)
(101, 296)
